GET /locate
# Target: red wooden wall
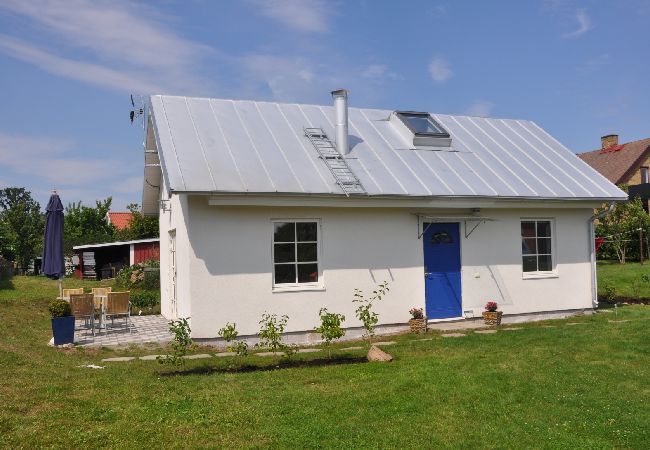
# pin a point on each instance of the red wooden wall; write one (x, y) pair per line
(146, 250)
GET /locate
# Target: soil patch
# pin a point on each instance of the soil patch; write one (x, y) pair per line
(281, 365)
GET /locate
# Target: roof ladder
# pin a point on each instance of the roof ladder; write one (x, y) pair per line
(342, 173)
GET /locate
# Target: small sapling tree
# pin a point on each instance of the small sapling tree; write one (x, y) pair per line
(364, 312)
(330, 328)
(181, 342)
(270, 334)
(229, 334)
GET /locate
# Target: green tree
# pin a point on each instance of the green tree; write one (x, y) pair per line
(620, 229)
(22, 225)
(140, 226)
(87, 225)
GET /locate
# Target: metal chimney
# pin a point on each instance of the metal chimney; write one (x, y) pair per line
(340, 97)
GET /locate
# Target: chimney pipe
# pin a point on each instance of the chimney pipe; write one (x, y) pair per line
(609, 141)
(340, 97)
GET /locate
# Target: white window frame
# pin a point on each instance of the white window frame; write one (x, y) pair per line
(310, 286)
(553, 273)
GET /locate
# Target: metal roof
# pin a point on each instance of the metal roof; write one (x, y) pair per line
(232, 146)
(113, 244)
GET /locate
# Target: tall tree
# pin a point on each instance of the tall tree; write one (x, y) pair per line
(22, 225)
(87, 225)
(140, 226)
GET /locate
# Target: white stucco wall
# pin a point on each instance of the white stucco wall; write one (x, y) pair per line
(225, 264)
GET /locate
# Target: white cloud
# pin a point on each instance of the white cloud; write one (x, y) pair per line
(480, 108)
(120, 80)
(584, 24)
(120, 41)
(439, 70)
(301, 15)
(50, 162)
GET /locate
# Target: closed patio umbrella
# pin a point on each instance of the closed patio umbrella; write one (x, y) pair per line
(53, 265)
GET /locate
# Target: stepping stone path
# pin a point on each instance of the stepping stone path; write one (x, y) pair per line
(447, 335)
(269, 354)
(577, 323)
(222, 354)
(549, 326)
(151, 357)
(119, 359)
(309, 350)
(385, 343)
(352, 348)
(485, 331)
(617, 321)
(512, 329)
(200, 356)
(426, 339)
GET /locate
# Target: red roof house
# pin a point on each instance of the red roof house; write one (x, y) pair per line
(120, 220)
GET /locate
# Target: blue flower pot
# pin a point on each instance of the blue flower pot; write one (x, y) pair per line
(63, 330)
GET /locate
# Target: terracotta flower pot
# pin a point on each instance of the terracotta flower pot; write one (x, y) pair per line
(418, 325)
(492, 317)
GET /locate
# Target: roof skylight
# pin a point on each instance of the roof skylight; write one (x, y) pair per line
(422, 124)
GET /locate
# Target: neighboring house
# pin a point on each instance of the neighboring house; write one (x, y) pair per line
(120, 220)
(623, 164)
(101, 261)
(258, 213)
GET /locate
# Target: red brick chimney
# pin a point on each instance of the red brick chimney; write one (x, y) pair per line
(611, 140)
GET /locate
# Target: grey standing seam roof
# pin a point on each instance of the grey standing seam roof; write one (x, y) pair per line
(233, 146)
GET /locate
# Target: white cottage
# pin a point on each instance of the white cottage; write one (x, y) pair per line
(287, 208)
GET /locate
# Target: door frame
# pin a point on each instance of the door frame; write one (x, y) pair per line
(173, 274)
(425, 224)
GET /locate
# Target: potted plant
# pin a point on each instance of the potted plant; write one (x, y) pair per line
(418, 322)
(62, 322)
(491, 316)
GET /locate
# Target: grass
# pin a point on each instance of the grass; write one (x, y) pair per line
(625, 278)
(582, 386)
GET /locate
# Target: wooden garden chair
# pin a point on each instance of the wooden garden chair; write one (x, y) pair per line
(100, 293)
(118, 305)
(83, 307)
(68, 292)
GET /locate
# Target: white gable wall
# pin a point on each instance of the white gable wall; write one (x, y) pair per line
(225, 264)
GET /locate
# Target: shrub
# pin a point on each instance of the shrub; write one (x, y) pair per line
(610, 293)
(60, 308)
(229, 334)
(181, 343)
(330, 328)
(142, 275)
(364, 312)
(270, 333)
(491, 306)
(416, 313)
(144, 299)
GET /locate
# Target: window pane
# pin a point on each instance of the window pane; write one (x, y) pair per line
(285, 273)
(527, 229)
(307, 252)
(423, 124)
(545, 263)
(544, 229)
(530, 263)
(544, 245)
(284, 253)
(307, 273)
(528, 246)
(284, 232)
(306, 231)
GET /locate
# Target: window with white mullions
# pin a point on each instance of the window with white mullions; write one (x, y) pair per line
(295, 252)
(536, 245)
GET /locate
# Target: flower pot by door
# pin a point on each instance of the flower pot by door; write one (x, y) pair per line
(492, 317)
(418, 325)
(63, 330)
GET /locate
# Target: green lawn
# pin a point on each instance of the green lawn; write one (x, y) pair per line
(626, 279)
(581, 386)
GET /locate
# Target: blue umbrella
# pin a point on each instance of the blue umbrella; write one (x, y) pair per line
(53, 265)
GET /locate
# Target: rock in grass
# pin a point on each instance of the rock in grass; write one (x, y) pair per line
(377, 354)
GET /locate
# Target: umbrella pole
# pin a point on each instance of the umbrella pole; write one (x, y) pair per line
(60, 286)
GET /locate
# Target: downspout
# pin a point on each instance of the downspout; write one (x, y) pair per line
(592, 246)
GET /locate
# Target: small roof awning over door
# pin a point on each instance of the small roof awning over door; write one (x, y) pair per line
(474, 221)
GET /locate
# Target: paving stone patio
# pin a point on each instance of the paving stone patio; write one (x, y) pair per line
(145, 329)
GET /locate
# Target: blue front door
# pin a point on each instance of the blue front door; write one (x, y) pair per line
(441, 243)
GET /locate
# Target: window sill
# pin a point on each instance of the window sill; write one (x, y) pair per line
(539, 275)
(298, 288)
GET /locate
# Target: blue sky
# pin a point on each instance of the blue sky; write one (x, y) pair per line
(579, 69)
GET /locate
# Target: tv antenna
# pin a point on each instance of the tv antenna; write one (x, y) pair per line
(137, 111)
